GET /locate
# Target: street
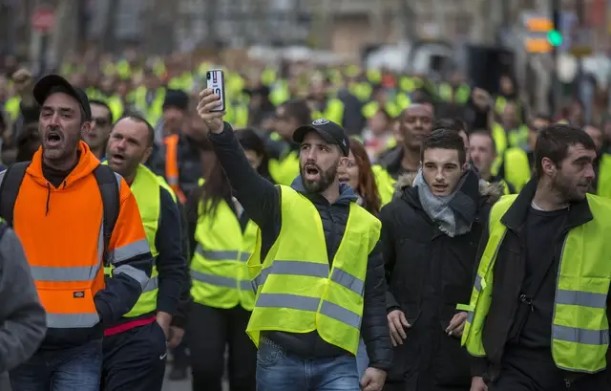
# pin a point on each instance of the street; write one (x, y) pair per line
(183, 385)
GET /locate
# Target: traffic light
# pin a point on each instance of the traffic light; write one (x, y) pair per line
(554, 37)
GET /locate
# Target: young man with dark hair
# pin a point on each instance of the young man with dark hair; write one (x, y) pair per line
(538, 314)
(429, 241)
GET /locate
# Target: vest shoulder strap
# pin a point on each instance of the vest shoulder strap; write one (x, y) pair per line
(9, 189)
(108, 182)
(501, 207)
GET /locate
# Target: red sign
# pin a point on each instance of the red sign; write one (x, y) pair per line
(43, 19)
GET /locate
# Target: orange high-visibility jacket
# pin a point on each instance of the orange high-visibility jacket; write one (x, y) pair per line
(61, 232)
(172, 172)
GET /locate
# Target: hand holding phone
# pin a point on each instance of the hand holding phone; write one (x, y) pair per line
(207, 108)
(215, 80)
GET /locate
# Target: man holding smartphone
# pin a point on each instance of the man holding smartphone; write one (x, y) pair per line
(314, 296)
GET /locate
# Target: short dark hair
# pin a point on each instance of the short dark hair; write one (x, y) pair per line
(105, 105)
(445, 139)
(456, 124)
(487, 133)
(137, 117)
(298, 109)
(553, 142)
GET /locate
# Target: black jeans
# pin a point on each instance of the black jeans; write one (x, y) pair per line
(534, 370)
(135, 360)
(210, 331)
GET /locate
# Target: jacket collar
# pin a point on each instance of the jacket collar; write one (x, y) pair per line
(392, 161)
(579, 211)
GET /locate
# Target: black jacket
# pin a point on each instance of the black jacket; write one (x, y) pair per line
(261, 200)
(509, 273)
(390, 160)
(189, 163)
(428, 274)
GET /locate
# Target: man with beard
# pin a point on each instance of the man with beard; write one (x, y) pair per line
(319, 273)
(539, 307)
(59, 212)
(135, 348)
(429, 241)
(101, 125)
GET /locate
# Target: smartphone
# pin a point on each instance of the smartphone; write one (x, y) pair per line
(215, 80)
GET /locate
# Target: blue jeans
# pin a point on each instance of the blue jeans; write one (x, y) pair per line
(76, 368)
(279, 370)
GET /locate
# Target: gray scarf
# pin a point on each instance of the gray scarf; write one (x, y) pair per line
(453, 214)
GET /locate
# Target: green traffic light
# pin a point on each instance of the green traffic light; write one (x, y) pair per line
(554, 37)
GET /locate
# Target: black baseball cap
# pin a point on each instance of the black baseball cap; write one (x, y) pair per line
(54, 83)
(328, 130)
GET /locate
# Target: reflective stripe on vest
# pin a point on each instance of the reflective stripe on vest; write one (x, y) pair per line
(267, 300)
(171, 165)
(580, 328)
(218, 268)
(312, 269)
(297, 290)
(226, 282)
(146, 190)
(228, 255)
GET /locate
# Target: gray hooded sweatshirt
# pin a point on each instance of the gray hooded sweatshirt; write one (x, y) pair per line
(22, 318)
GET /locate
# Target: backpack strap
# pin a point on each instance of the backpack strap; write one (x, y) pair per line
(11, 182)
(108, 183)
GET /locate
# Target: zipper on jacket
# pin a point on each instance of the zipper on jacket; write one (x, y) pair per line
(567, 383)
(48, 198)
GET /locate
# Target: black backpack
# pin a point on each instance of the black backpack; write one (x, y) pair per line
(107, 182)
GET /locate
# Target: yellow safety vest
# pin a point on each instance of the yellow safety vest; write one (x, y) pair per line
(402, 101)
(218, 268)
(461, 94)
(297, 292)
(146, 188)
(580, 328)
(372, 108)
(152, 112)
(604, 176)
(503, 140)
(236, 111)
(384, 182)
(280, 92)
(13, 107)
(286, 169)
(517, 168)
(362, 90)
(333, 112)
